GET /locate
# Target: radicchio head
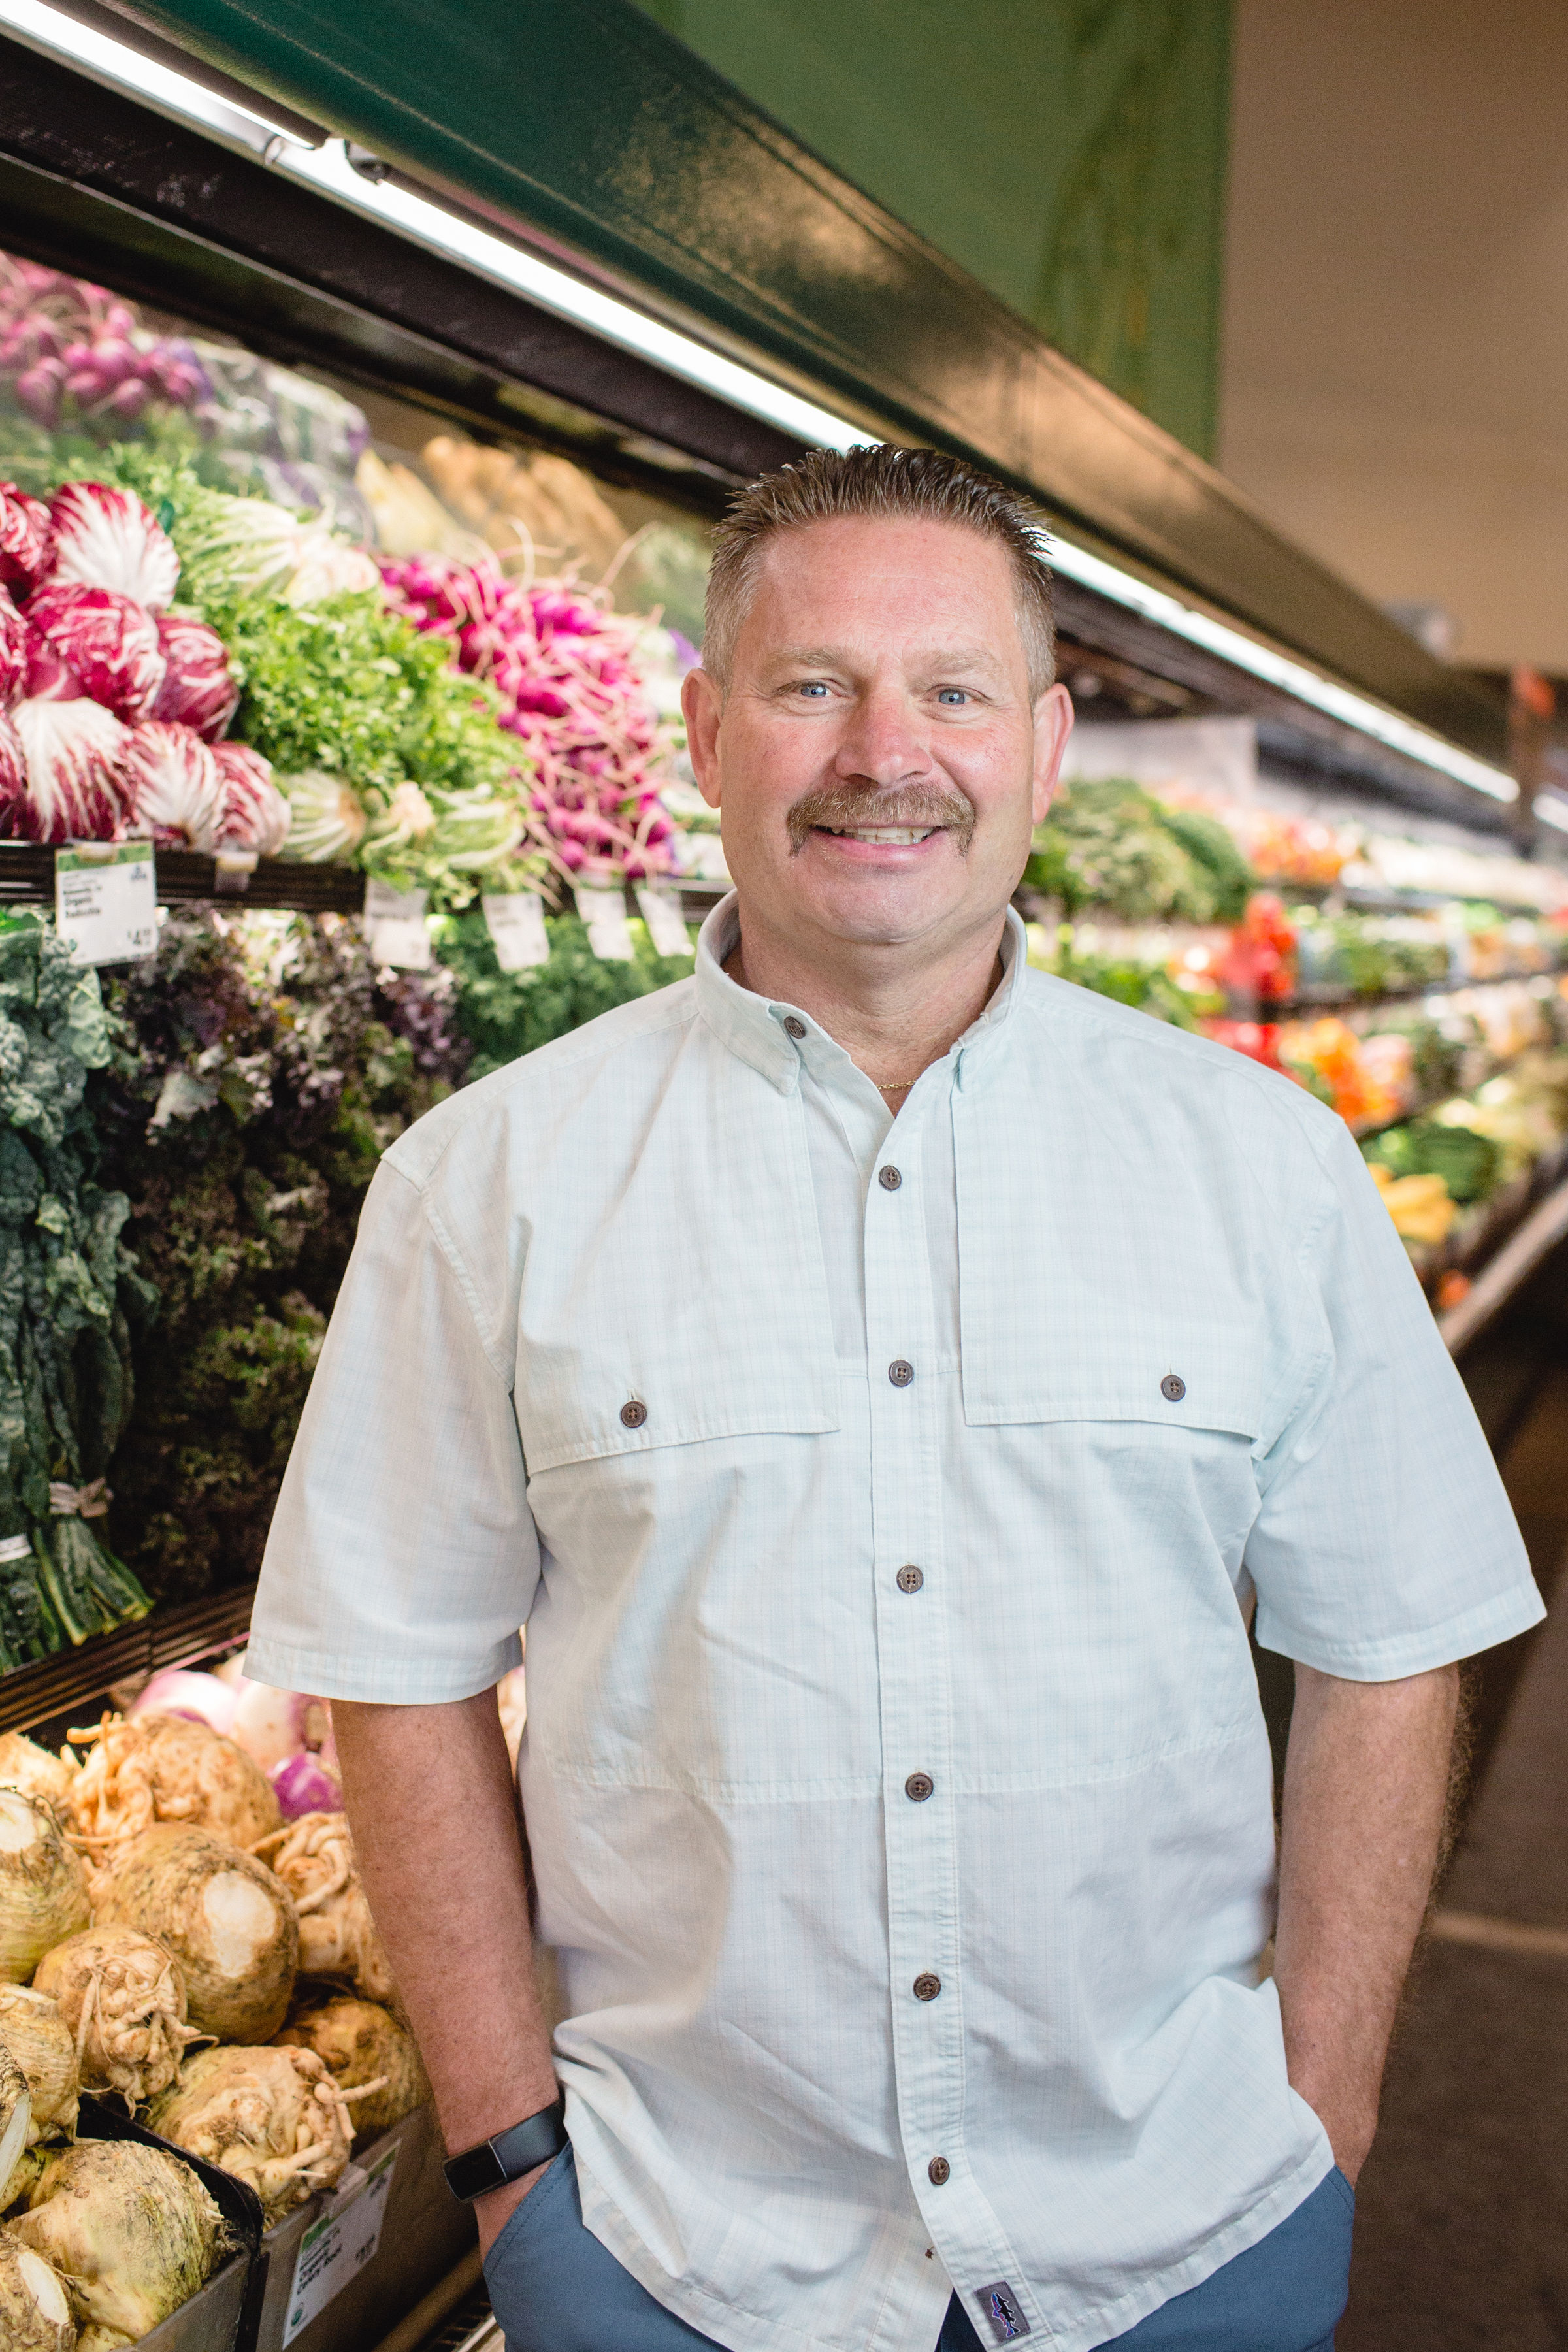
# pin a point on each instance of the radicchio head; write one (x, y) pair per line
(106, 639)
(24, 537)
(71, 752)
(107, 539)
(13, 652)
(198, 687)
(171, 785)
(255, 814)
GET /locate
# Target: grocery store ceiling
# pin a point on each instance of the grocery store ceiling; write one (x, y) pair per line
(1395, 390)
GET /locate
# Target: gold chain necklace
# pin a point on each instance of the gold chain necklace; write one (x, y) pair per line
(900, 1087)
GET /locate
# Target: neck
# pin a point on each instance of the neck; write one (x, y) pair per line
(893, 1015)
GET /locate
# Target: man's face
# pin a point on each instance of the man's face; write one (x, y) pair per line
(878, 762)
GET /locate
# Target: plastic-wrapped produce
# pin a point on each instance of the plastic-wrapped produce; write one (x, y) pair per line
(76, 356)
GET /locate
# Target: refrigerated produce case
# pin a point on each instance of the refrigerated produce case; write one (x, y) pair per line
(479, 397)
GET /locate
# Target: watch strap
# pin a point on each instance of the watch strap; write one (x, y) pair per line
(508, 2154)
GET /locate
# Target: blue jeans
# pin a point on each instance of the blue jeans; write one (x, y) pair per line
(554, 2288)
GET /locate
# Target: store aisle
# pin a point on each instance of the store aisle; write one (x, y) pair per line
(1460, 2239)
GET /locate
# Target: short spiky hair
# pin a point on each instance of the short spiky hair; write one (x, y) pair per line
(882, 480)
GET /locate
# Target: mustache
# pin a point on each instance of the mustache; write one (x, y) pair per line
(843, 807)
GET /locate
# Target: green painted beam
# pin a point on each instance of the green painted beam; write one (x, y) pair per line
(1070, 157)
(584, 123)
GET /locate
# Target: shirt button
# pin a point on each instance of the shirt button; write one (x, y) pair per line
(900, 1372)
(1172, 1388)
(927, 1987)
(910, 1579)
(635, 1413)
(890, 1179)
(795, 1025)
(938, 2171)
(917, 1787)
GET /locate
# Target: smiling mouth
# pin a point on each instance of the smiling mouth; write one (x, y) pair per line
(888, 836)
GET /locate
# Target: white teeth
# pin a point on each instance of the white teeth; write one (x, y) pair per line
(895, 835)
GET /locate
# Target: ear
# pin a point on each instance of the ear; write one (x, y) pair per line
(1053, 725)
(703, 706)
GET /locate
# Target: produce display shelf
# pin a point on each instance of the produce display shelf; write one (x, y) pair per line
(454, 2317)
(1480, 1244)
(1328, 996)
(27, 879)
(34, 1696)
(472, 2327)
(1542, 1230)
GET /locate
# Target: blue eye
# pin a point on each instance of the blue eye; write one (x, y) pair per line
(813, 685)
(952, 694)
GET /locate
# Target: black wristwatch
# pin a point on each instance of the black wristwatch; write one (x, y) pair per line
(509, 2155)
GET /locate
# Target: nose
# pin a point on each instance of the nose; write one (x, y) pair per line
(883, 742)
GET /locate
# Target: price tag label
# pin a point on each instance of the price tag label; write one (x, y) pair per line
(661, 910)
(605, 912)
(516, 923)
(336, 2248)
(394, 927)
(106, 901)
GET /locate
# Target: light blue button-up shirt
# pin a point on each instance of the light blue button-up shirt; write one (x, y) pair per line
(639, 1348)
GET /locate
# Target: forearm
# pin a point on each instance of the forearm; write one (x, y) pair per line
(433, 1805)
(1366, 1782)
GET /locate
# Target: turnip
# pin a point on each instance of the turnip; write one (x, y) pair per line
(132, 2227)
(271, 1725)
(177, 1691)
(34, 2311)
(302, 1784)
(361, 2044)
(229, 1923)
(15, 2125)
(314, 1857)
(43, 1886)
(42, 2043)
(165, 1768)
(122, 1997)
(25, 1765)
(273, 2117)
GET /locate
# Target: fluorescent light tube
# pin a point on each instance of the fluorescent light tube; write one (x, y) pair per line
(1279, 669)
(329, 170)
(1551, 808)
(113, 61)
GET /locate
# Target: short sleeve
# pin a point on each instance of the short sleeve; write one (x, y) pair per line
(403, 1556)
(1385, 1544)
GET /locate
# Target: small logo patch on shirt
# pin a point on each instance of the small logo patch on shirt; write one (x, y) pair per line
(1000, 2306)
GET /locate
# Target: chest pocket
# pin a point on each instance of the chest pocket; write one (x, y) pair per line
(690, 1304)
(1105, 1283)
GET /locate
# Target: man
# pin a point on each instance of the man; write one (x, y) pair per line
(882, 1377)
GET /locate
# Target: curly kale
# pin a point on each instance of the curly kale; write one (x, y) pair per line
(506, 1013)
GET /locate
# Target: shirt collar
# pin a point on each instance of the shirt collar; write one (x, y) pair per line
(761, 1031)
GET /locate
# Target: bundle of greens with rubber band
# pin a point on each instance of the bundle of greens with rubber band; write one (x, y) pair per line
(65, 1283)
